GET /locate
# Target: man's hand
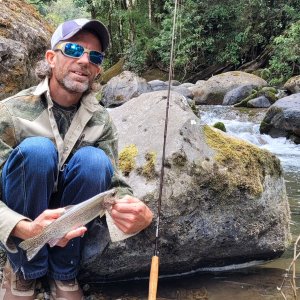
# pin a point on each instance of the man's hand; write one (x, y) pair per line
(26, 229)
(131, 214)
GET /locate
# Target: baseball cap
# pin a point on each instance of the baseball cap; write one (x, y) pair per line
(69, 28)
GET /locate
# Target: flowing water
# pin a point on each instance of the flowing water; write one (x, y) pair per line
(251, 283)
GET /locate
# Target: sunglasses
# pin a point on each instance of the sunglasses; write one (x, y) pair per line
(75, 51)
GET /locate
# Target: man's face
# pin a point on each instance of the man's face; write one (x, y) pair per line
(76, 75)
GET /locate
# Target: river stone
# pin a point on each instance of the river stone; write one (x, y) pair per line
(283, 119)
(158, 85)
(236, 95)
(122, 88)
(216, 87)
(293, 84)
(259, 102)
(183, 91)
(224, 200)
(24, 38)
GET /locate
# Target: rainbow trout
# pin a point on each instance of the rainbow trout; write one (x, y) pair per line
(74, 216)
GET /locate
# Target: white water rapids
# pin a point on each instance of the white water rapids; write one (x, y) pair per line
(244, 124)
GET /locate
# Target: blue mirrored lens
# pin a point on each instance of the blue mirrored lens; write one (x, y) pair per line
(96, 57)
(74, 50)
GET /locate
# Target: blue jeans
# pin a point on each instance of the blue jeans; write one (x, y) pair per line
(28, 182)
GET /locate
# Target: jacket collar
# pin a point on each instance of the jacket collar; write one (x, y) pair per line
(89, 100)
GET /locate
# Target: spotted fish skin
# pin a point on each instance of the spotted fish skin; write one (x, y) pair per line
(75, 216)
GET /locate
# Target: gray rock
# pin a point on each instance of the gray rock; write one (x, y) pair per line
(216, 87)
(174, 82)
(236, 95)
(183, 91)
(283, 118)
(259, 102)
(158, 85)
(122, 88)
(293, 84)
(215, 211)
(187, 84)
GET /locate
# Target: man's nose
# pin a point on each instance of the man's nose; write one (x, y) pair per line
(84, 59)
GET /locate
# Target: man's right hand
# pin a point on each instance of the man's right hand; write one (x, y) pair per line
(26, 229)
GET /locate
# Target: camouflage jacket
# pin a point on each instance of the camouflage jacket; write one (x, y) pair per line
(29, 113)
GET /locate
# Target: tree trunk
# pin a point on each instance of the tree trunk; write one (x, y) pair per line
(257, 63)
(150, 11)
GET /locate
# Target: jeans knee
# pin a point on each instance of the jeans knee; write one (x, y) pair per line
(40, 150)
(92, 163)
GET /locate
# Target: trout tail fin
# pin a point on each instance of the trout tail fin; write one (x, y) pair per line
(31, 251)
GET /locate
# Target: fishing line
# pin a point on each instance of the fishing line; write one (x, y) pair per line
(155, 259)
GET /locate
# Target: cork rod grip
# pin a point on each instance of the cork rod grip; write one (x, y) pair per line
(153, 281)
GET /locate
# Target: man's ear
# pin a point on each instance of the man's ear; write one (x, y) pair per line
(100, 71)
(50, 58)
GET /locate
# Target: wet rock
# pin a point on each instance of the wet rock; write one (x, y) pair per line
(283, 119)
(259, 102)
(24, 38)
(216, 87)
(224, 200)
(236, 95)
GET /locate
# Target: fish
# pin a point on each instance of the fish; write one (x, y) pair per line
(74, 217)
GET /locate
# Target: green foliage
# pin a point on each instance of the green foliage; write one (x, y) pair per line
(286, 58)
(208, 33)
(222, 32)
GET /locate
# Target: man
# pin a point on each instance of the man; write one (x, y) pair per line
(58, 147)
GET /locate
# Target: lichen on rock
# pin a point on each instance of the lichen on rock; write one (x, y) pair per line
(127, 159)
(247, 165)
(148, 170)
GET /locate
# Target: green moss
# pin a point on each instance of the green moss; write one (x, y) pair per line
(264, 127)
(244, 102)
(127, 159)
(148, 170)
(113, 71)
(194, 108)
(220, 125)
(246, 165)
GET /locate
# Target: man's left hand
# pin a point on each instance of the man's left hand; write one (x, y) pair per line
(131, 214)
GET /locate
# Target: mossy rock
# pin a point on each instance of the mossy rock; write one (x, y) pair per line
(220, 125)
(246, 165)
(243, 103)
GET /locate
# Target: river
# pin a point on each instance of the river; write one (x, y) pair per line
(250, 283)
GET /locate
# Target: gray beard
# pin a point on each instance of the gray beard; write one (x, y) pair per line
(75, 87)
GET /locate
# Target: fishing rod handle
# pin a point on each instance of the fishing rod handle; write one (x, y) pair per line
(153, 281)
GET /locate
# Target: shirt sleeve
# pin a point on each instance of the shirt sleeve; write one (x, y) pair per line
(109, 144)
(8, 217)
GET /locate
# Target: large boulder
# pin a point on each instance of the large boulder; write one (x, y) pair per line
(283, 119)
(24, 37)
(122, 88)
(215, 88)
(293, 84)
(223, 202)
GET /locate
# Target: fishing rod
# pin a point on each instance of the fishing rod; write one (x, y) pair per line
(154, 270)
